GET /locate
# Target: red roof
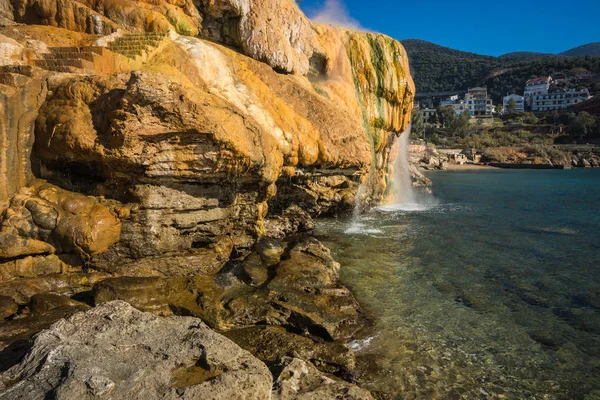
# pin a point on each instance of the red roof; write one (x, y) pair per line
(538, 80)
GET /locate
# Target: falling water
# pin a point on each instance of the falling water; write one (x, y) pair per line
(403, 195)
(357, 225)
(402, 186)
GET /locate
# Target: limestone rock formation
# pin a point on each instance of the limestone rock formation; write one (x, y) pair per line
(114, 350)
(287, 42)
(70, 222)
(171, 153)
(19, 110)
(105, 17)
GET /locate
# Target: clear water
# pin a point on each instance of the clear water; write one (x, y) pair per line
(493, 291)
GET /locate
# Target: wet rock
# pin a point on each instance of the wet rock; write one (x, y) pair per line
(315, 194)
(419, 180)
(256, 271)
(270, 250)
(189, 263)
(118, 351)
(299, 379)
(292, 220)
(267, 252)
(19, 110)
(157, 295)
(45, 302)
(269, 343)
(22, 289)
(8, 307)
(301, 292)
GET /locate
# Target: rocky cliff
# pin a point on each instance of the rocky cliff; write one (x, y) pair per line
(171, 154)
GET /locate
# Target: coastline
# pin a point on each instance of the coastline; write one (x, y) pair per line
(466, 167)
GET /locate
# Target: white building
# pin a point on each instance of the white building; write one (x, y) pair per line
(478, 102)
(537, 86)
(558, 100)
(519, 102)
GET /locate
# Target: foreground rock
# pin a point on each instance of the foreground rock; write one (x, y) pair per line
(116, 351)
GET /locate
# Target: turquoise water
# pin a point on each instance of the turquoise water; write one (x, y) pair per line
(492, 292)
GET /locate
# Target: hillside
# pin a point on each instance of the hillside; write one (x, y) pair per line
(437, 68)
(590, 49)
(523, 54)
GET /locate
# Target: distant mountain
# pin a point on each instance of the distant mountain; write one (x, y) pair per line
(438, 69)
(523, 54)
(590, 49)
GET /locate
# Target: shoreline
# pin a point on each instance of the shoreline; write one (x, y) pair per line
(465, 167)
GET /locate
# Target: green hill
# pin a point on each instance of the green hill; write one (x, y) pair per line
(523, 54)
(437, 68)
(590, 49)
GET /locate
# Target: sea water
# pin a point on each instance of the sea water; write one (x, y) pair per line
(492, 291)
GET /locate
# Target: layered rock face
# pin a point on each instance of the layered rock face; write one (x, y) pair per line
(180, 171)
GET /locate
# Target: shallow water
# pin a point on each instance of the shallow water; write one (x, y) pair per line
(490, 291)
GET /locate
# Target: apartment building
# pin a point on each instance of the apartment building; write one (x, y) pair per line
(537, 86)
(554, 101)
(478, 103)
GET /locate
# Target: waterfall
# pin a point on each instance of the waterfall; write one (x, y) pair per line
(403, 195)
(403, 192)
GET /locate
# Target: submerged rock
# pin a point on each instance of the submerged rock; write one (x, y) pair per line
(269, 343)
(300, 380)
(114, 350)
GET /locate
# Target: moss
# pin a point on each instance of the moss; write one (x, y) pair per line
(181, 23)
(321, 92)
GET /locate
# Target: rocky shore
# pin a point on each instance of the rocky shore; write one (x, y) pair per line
(429, 158)
(161, 163)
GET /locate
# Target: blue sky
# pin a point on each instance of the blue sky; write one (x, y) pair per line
(485, 27)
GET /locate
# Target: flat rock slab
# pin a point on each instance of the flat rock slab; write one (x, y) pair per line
(116, 352)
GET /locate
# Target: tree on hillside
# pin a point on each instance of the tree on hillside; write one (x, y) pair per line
(530, 118)
(446, 116)
(511, 106)
(461, 126)
(434, 118)
(581, 126)
(418, 126)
